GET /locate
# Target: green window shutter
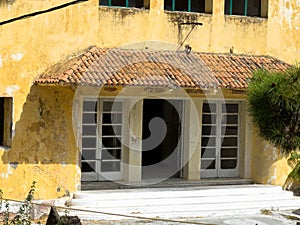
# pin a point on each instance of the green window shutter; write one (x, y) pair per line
(246, 7)
(230, 7)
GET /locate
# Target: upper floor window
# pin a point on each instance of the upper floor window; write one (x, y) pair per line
(126, 3)
(246, 7)
(6, 110)
(201, 6)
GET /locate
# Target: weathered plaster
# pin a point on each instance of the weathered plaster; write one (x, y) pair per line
(33, 45)
(276, 35)
(17, 56)
(12, 89)
(269, 166)
(44, 147)
(37, 42)
(283, 30)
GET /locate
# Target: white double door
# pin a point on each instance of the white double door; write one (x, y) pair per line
(101, 143)
(220, 139)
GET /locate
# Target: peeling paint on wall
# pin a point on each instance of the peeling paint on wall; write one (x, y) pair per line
(44, 147)
(11, 89)
(14, 165)
(43, 133)
(17, 56)
(271, 152)
(273, 178)
(8, 172)
(289, 11)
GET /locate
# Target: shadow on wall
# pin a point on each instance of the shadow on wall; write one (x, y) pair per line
(44, 147)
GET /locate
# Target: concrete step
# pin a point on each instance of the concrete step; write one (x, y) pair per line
(204, 211)
(169, 203)
(180, 191)
(173, 182)
(200, 206)
(184, 202)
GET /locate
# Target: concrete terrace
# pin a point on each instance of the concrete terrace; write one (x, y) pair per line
(183, 202)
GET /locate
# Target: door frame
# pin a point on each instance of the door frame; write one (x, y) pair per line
(97, 175)
(218, 172)
(180, 145)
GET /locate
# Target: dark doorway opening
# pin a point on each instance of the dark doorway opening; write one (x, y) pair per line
(161, 147)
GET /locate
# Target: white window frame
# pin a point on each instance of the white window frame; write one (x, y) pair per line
(98, 175)
(218, 172)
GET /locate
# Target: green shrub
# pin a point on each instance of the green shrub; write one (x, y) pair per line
(274, 104)
(23, 216)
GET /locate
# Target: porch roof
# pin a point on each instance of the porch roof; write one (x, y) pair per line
(122, 67)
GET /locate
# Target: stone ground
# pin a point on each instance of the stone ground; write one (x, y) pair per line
(272, 219)
(248, 204)
(210, 205)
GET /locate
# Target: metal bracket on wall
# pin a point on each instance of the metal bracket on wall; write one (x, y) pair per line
(194, 24)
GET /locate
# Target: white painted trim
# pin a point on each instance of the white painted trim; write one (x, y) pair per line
(218, 172)
(98, 175)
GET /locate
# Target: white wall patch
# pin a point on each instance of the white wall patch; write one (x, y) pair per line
(17, 56)
(11, 89)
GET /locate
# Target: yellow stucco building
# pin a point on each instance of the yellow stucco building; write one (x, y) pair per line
(70, 112)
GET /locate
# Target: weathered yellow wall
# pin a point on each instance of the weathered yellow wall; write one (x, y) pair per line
(284, 30)
(31, 45)
(16, 8)
(27, 48)
(269, 166)
(277, 35)
(134, 28)
(44, 147)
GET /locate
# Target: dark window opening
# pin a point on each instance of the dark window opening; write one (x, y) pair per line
(88, 166)
(244, 7)
(125, 3)
(198, 6)
(5, 121)
(186, 5)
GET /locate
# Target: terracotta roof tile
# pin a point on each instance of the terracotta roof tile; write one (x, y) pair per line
(97, 66)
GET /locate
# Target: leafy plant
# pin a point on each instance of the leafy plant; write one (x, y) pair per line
(294, 175)
(23, 216)
(274, 104)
